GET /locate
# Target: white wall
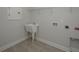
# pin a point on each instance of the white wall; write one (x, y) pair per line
(12, 31)
(64, 16)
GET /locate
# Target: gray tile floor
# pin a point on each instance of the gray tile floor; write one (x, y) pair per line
(35, 46)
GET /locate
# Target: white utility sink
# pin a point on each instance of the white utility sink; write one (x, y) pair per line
(32, 28)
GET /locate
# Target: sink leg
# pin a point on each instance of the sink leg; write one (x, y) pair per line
(33, 36)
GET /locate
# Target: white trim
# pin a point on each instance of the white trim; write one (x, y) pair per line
(54, 44)
(11, 44)
(75, 49)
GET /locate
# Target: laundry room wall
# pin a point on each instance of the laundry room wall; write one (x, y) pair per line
(62, 16)
(12, 30)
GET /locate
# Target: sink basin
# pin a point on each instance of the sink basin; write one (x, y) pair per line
(31, 27)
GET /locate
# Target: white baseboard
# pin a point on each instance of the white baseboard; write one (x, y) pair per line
(54, 44)
(11, 44)
(75, 49)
